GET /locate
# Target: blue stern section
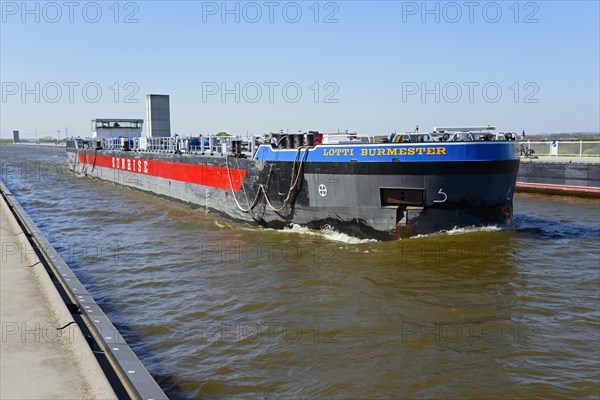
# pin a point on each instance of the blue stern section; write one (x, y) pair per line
(410, 152)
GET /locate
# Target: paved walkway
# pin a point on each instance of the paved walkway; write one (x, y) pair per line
(37, 361)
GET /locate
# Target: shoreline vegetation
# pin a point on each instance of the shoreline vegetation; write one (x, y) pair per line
(33, 141)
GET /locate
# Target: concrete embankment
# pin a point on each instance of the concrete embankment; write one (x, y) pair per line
(41, 144)
(57, 343)
(44, 355)
(560, 175)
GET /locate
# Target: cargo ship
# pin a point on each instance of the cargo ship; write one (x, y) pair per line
(381, 187)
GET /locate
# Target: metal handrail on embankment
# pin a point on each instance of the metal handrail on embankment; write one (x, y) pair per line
(574, 148)
(124, 370)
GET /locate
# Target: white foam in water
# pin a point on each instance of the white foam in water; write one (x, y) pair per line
(327, 233)
(220, 225)
(460, 231)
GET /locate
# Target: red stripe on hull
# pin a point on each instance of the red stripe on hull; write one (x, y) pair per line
(205, 175)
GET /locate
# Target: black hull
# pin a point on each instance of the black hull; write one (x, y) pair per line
(368, 200)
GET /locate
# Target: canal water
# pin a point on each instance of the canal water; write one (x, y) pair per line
(217, 309)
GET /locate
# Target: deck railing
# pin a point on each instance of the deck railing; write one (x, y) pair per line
(211, 145)
(221, 145)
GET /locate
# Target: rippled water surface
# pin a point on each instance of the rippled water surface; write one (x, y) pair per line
(217, 309)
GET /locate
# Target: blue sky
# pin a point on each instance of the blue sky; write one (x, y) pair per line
(366, 66)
